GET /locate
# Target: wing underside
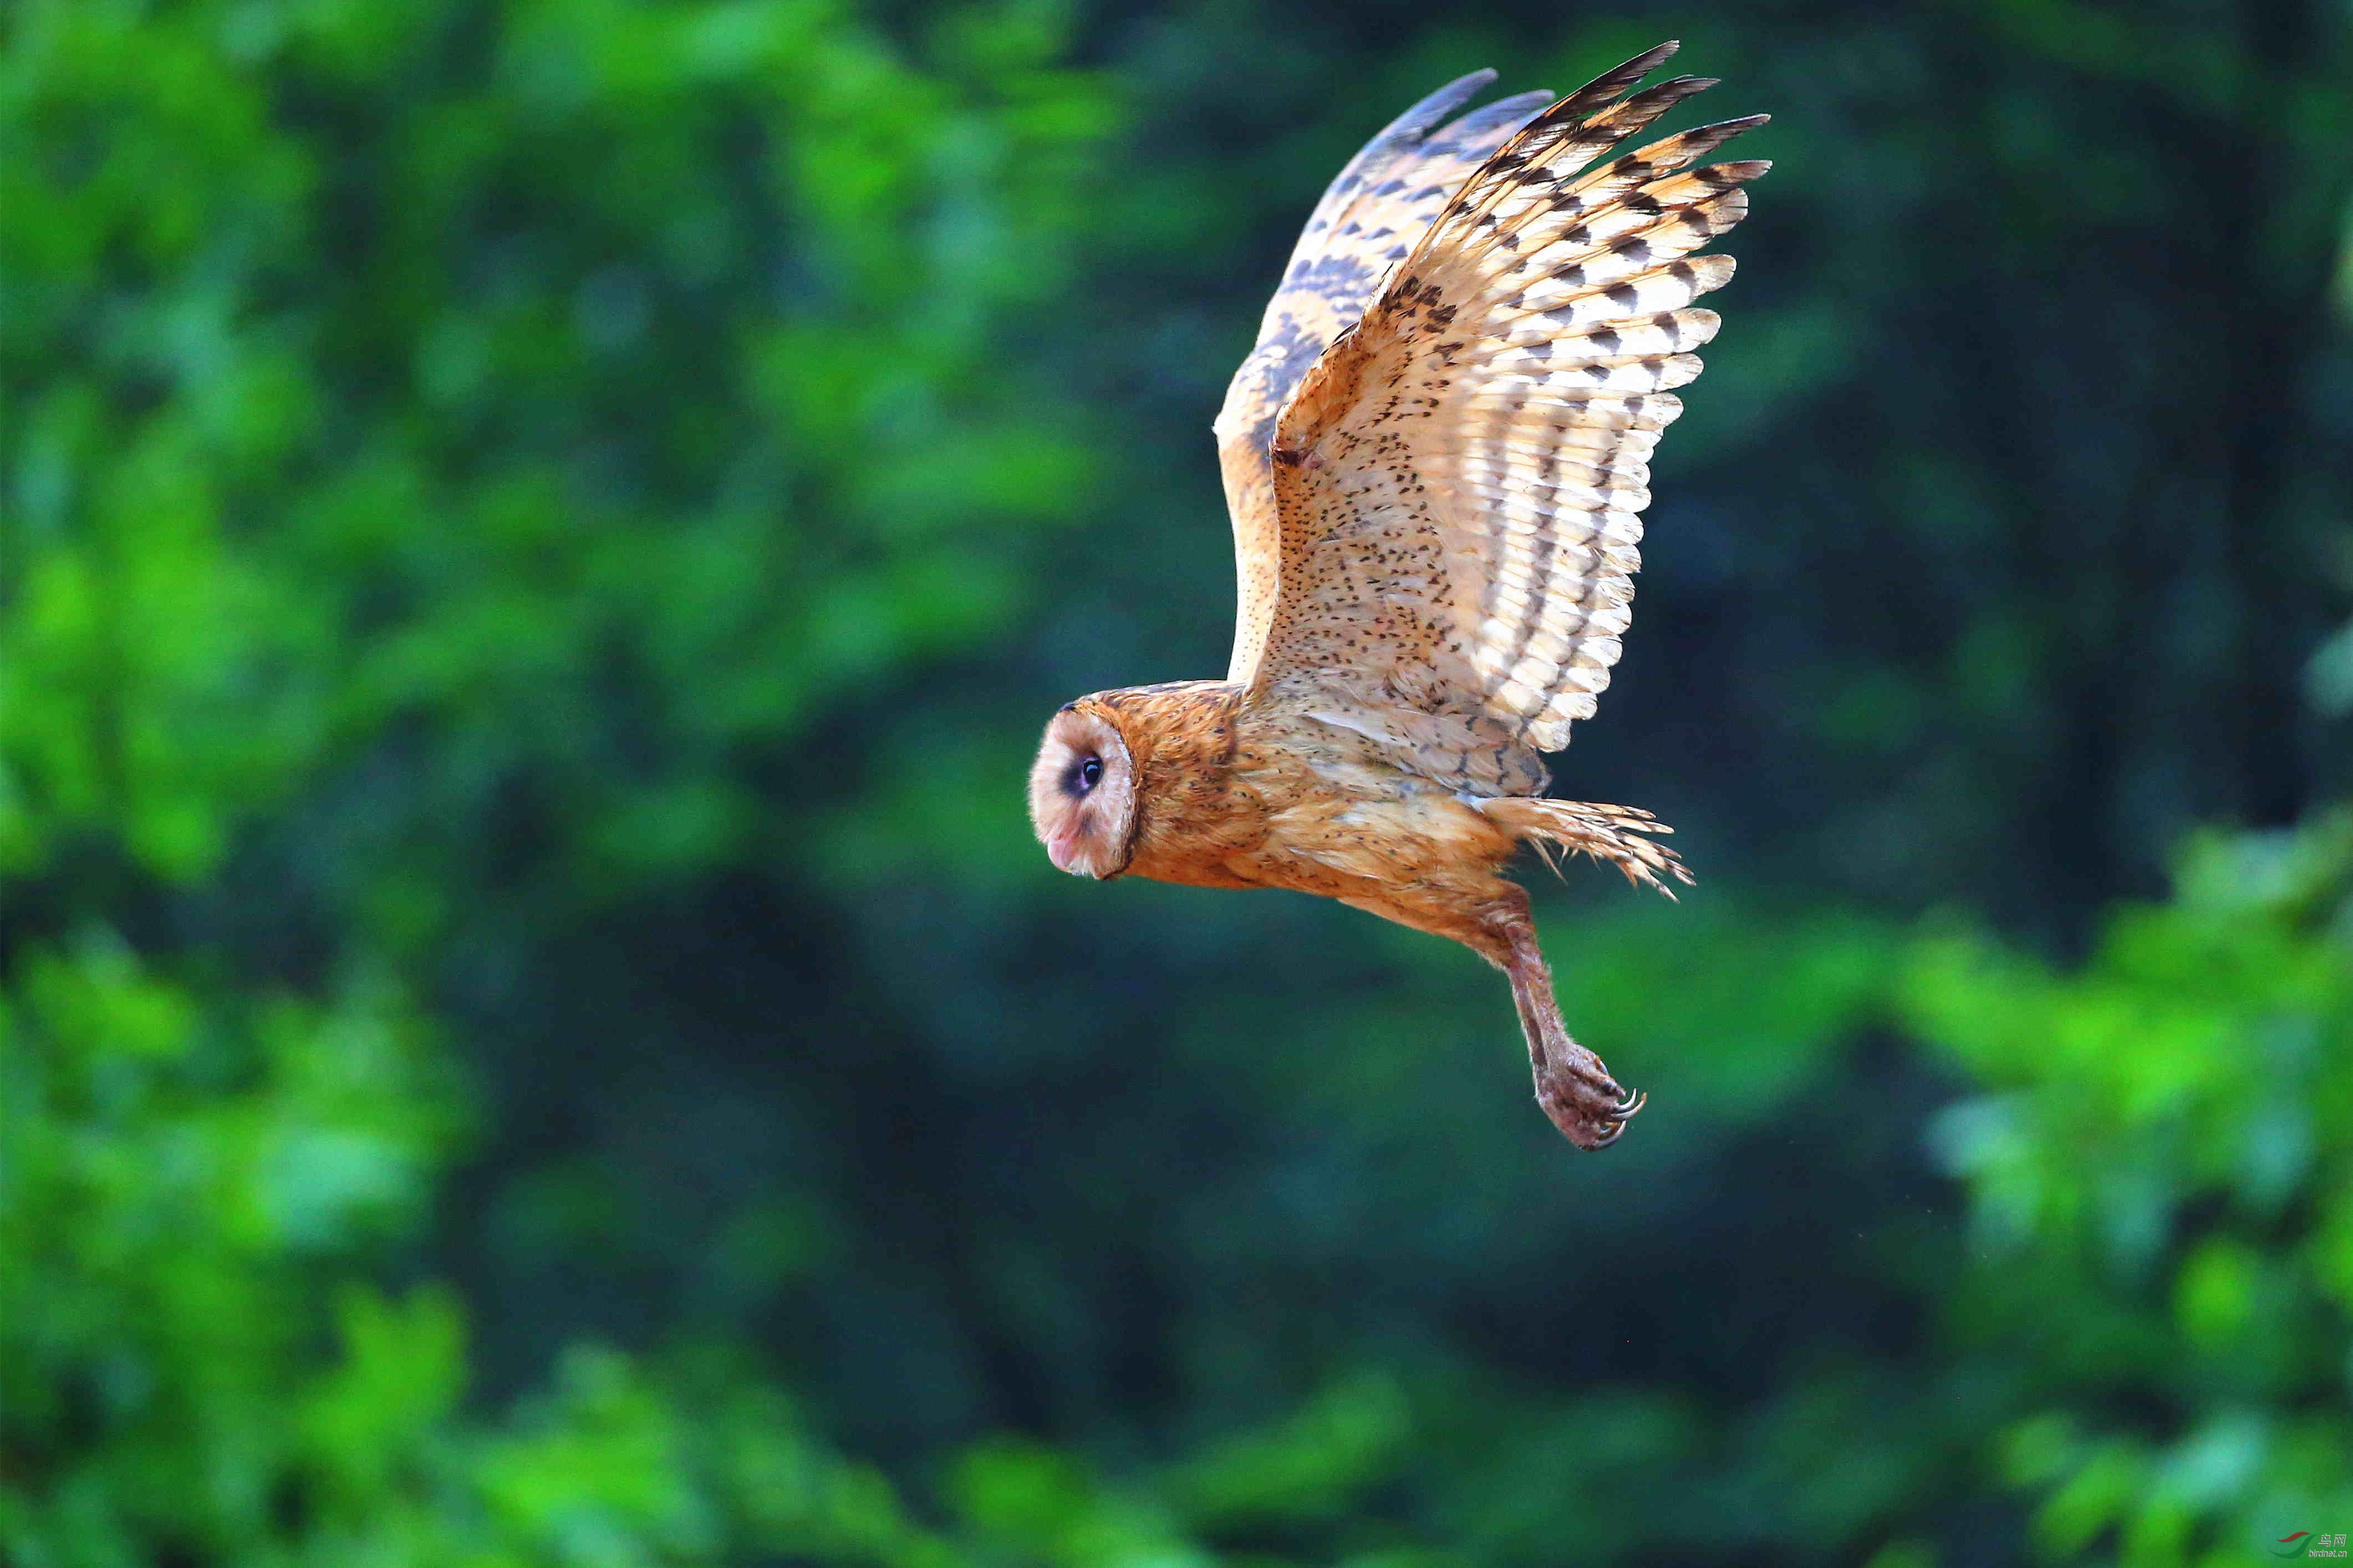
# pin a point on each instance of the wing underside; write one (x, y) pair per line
(1367, 221)
(1458, 480)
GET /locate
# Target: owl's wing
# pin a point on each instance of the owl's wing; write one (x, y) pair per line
(1458, 480)
(1367, 221)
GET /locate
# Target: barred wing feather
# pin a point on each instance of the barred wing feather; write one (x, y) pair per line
(1368, 221)
(1458, 480)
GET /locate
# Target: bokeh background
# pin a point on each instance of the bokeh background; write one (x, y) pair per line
(539, 535)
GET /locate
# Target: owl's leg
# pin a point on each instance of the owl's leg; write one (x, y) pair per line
(1575, 1090)
(1492, 918)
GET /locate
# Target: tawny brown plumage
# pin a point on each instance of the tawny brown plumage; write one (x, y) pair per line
(1436, 459)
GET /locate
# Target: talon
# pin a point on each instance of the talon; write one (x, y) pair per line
(1590, 1109)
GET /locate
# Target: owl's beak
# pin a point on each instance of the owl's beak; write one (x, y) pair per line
(1064, 849)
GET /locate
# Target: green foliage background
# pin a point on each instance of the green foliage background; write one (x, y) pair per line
(538, 535)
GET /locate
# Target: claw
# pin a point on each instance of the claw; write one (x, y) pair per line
(1570, 1099)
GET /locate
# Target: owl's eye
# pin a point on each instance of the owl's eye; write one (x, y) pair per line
(1083, 778)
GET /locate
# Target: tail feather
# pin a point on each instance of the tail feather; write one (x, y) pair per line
(1612, 832)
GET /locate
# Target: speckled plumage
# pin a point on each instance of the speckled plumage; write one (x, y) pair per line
(1436, 459)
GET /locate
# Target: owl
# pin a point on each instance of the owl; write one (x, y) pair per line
(1436, 459)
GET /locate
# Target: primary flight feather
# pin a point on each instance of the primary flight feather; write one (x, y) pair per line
(1436, 459)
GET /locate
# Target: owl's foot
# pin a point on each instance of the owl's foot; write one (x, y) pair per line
(1589, 1107)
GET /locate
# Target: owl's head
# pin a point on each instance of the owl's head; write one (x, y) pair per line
(1083, 792)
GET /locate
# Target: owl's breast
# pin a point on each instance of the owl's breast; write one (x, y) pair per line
(1319, 809)
(1234, 795)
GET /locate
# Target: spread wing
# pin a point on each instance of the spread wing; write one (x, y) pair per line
(1367, 221)
(1459, 481)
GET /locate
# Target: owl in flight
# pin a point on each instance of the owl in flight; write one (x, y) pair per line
(1437, 458)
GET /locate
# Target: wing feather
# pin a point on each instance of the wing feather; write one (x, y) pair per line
(1370, 219)
(1458, 480)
